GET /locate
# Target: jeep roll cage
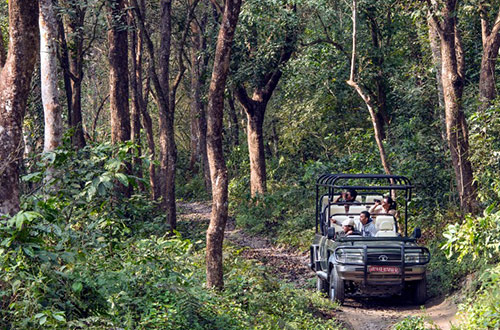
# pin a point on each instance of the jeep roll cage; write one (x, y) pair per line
(363, 183)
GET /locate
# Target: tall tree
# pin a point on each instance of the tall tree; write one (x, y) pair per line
(165, 98)
(264, 84)
(218, 169)
(136, 98)
(15, 78)
(168, 149)
(48, 72)
(444, 19)
(118, 71)
(71, 58)
(364, 95)
(491, 43)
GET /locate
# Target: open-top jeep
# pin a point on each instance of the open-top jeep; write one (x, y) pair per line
(384, 265)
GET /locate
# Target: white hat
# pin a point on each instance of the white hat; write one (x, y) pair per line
(348, 222)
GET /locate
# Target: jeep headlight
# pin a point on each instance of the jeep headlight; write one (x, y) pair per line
(416, 257)
(349, 256)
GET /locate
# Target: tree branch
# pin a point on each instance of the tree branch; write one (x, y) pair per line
(244, 99)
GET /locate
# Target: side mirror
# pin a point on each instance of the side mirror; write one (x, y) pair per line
(331, 233)
(417, 233)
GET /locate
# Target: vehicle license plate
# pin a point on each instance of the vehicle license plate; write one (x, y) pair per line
(384, 269)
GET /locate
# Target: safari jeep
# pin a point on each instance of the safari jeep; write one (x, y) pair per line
(387, 264)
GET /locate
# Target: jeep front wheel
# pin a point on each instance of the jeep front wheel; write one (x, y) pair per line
(336, 291)
(420, 293)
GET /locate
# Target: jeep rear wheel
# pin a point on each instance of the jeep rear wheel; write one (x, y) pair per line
(336, 291)
(420, 293)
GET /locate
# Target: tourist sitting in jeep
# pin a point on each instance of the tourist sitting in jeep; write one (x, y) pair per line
(384, 206)
(348, 229)
(368, 228)
(347, 198)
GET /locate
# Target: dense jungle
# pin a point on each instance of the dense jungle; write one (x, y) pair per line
(158, 159)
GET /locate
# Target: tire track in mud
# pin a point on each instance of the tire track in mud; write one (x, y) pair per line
(291, 265)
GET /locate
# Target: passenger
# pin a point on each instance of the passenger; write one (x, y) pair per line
(368, 228)
(348, 229)
(386, 206)
(347, 198)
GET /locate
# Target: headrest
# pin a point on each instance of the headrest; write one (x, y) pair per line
(386, 225)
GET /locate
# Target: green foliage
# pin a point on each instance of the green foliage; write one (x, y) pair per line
(485, 147)
(481, 309)
(478, 239)
(415, 323)
(475, 237)
(266, 303)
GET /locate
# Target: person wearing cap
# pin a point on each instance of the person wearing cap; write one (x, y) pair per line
(348, 228)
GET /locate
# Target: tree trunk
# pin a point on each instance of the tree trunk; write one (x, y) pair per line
(491, 44)
(255, 137)
(453, 83)
(64, 62)
(75, 30)
(118, 72)
(218, 170)
(148, 126)
(48, 67)
(436, 57)
(255, 108)
(168, 151)
(136, 89)
(3, 54)
(15, 79)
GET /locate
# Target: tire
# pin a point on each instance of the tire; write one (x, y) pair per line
(321, 285)
(336, 291)
(420, 294)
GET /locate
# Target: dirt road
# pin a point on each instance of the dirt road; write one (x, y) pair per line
(291, 265)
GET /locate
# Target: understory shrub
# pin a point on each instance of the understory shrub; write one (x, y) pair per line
(478, 239)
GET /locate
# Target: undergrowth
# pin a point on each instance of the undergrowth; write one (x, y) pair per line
(80, 255)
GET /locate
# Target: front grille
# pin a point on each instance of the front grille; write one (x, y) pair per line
(391, 258)
(384, 256)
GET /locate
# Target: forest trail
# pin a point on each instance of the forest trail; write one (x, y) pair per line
(291, 265)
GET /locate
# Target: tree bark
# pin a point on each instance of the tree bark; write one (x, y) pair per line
(3, 54)
(48, 68)
(118, 71)
(255, 139)
(15, 79)
(218, 169)
(75, 30)
(136, 98)
(436, 57)
(491, 44)
(168, 150)
(64, 62)
(148, 126)
(453, 70)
